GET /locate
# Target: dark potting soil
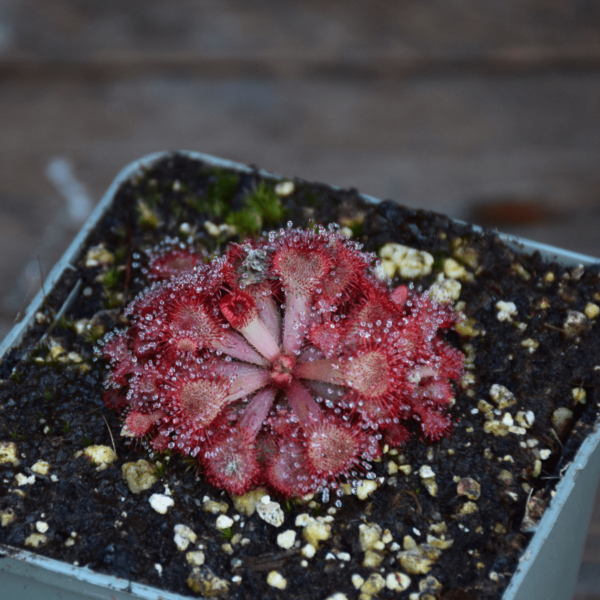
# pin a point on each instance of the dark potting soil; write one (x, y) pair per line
(51, 407)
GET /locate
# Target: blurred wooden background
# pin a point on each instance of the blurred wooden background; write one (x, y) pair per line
(487, 111)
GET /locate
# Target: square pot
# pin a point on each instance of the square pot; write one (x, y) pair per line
(547, 568)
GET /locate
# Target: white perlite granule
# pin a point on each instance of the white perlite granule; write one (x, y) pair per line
(286, 539)
(161, 503)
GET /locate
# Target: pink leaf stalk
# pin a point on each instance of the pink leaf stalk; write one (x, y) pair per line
(284, 363)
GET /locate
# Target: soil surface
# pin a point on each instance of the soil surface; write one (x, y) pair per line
(456, 534)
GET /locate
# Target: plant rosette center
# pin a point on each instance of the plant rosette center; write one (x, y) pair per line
(283, 363)
(282, 370)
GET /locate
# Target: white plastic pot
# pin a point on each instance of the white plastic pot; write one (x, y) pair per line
(547, 569)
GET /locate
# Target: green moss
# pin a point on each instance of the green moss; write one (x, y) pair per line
(152, 199)
(120, 232)
(87, 442)
(247, 222)
(438, 261)
(191, 464)
(223, 186)
(67, 323)
(148, 217)
(310, 198)
(201, 204)
(216, 203)
(120, 254)
(357, 228)
(178, 210)
(262, 208)
(113, 300)
(160, 468)
(217, 200)
(267, 204)
(112, 277)
(93, 335)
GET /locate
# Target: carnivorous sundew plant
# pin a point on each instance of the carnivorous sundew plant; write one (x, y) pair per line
(282, 363)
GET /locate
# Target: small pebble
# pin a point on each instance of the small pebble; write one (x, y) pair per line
(214, 507)
(41, 467)
(591, 310)
(454, 270)
(468, 487)
(502, 396)
(575, 323)
(286, 539)
(247, 503)
(408, 543)
(98, 255)
(227, 548)
(468, 508)
(160, 503)
(372, 559)
(445, 291)
(506, 310)
(373, 585)
(276, 580)
(7, 516)
(366, 489)
(284, 188)
(410, 263)
(270, 512)
(223, 522)
(8, 454)
(368, 535)
(24, 480)
(316, 532)
(579, 395)
(140, 475)
(101, 456)
(35, 540)
(41, 526)
(425, 472)
(184, 536)
(397, 582)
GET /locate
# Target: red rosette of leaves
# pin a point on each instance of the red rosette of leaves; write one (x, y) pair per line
(283, 363)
